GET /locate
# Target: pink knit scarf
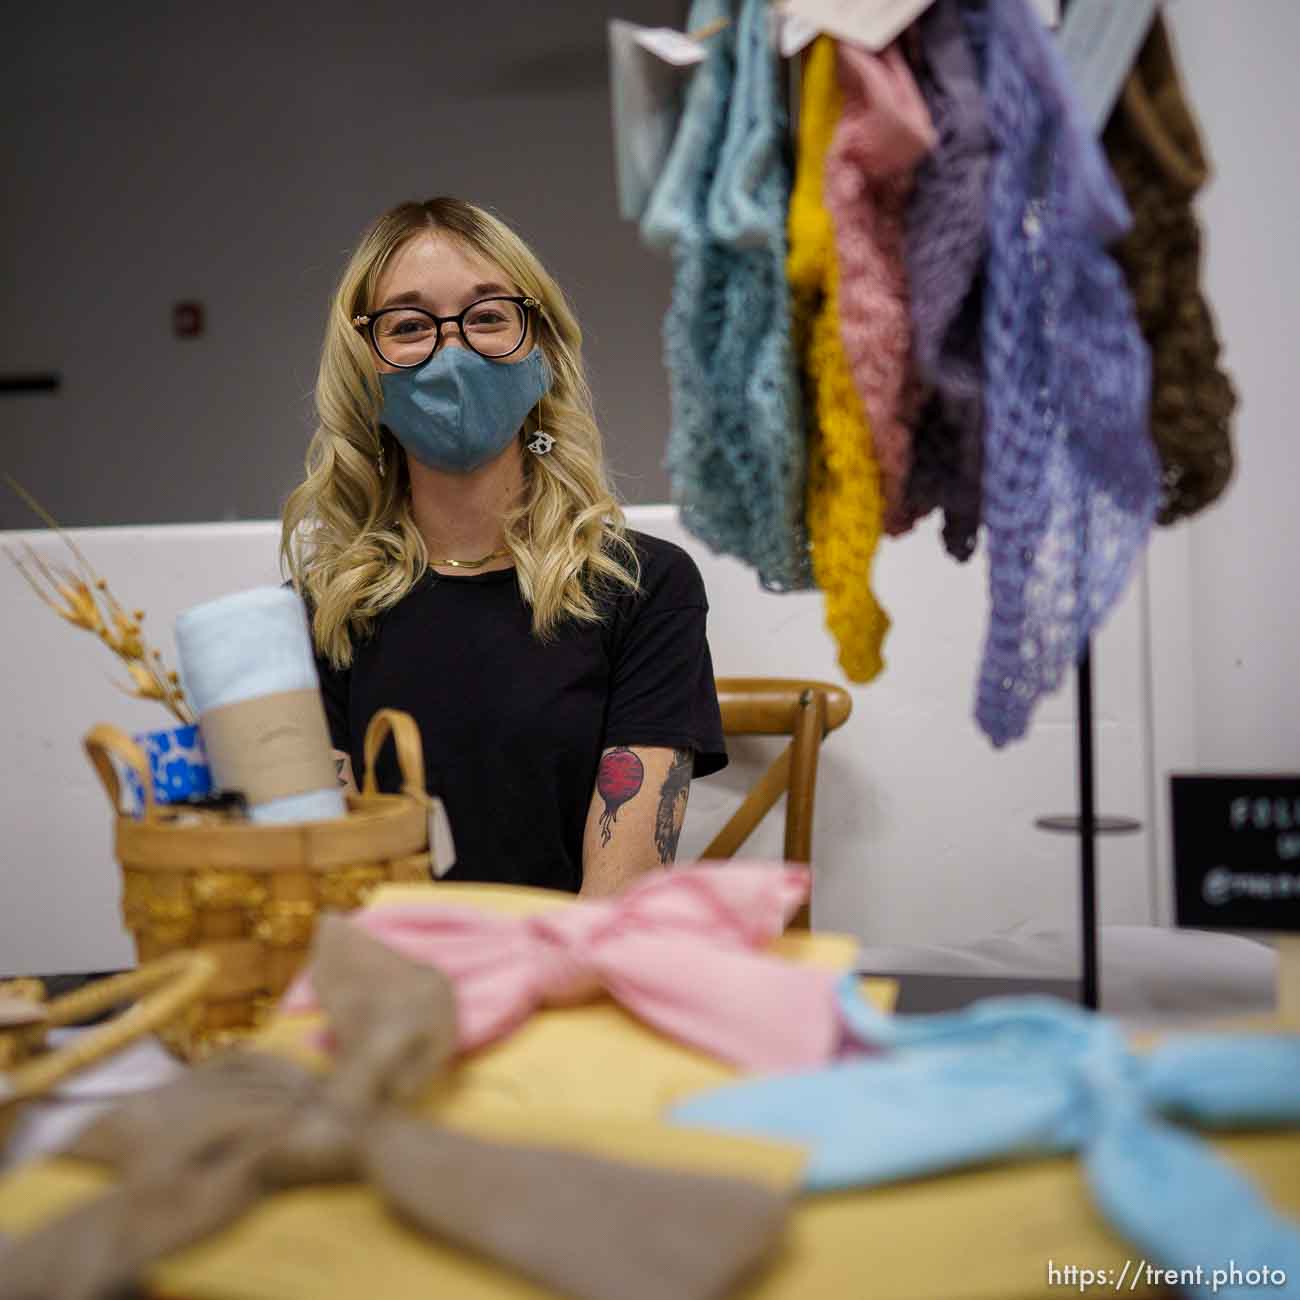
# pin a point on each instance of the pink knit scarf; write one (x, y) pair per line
(883, 131)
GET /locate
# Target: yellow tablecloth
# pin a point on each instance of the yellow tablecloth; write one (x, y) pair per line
(594, 1078)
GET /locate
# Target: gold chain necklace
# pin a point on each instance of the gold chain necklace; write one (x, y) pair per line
(470, 564)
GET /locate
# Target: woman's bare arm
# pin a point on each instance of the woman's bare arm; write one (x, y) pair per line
(636, 815)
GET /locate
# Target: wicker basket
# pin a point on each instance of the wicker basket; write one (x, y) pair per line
(249, 894)
(163, 991)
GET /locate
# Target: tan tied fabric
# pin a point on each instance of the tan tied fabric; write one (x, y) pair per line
(1155, 148)
(193, 1156)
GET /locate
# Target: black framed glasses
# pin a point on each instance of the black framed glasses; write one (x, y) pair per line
(407, 337)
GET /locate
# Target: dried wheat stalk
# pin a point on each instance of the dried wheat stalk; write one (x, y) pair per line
(81, 597)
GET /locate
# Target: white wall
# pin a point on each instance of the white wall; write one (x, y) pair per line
(920, 834)
(232, 153)
(1240, 63)
(1224, 589)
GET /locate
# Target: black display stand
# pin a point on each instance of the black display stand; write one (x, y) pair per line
(1087, 825)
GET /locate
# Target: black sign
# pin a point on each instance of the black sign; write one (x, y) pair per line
(1237, 852)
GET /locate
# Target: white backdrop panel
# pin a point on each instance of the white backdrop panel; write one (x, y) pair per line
(923, 833)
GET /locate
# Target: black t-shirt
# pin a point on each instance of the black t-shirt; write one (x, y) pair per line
(513, 728)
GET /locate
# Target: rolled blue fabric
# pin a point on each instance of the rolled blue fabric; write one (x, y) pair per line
(736, 449)
(240, 648)
(1015, 1078)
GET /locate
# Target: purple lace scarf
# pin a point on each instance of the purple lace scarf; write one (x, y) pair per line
(945, 242)
(1070, 474)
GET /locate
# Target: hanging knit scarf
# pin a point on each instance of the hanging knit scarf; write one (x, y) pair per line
(1070, 475)
(844, 501)
(1155, 147)
(884, 129)
(945, 242)
(736, 448)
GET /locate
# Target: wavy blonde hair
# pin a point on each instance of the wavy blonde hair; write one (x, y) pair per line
(349, 540)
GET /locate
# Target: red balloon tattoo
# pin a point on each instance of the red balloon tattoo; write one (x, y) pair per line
(618, 780)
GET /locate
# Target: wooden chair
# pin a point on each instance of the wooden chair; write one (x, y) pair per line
(780, 706)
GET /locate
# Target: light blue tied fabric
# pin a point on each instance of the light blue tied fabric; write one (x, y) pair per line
(736, 450)
(1070, 477)
(1014, 1078)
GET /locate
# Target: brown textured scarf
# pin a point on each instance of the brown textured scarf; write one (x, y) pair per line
(194, 1155)
(1155, 149)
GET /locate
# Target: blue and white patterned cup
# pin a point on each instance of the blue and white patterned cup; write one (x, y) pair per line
(177, 763)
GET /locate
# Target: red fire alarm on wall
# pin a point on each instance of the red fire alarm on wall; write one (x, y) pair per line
(187, 320)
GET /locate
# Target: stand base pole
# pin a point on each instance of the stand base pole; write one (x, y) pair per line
(1087, 834)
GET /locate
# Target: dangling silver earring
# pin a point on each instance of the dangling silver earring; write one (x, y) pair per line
(541, 442)
(379, 460)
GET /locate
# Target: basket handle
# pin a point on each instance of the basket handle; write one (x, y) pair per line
(410, 752)
(104, 740)
(165, 988)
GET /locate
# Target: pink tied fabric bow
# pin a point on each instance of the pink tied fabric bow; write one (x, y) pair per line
(677, 950)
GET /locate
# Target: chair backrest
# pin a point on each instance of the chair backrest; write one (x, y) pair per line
(779, 706)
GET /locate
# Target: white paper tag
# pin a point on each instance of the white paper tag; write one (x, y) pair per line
(645, 95)
(1100, 40)
(795, 34)
(1049, 11)
(672, 47)
(442, 848)
(873, 23)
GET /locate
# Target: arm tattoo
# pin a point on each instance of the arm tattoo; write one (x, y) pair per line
(618, 780)
(672, 805)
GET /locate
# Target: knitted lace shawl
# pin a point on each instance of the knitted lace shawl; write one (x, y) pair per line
(944, 249)
(1070, 476)
(884, 129)
(736, 447)
(844, 501)
(1155, 148)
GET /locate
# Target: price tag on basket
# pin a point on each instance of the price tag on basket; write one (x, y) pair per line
(442, 848)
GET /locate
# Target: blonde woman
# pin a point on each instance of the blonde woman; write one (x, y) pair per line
(464, 559)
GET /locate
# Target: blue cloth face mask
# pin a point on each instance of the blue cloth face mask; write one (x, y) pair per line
(459, 410)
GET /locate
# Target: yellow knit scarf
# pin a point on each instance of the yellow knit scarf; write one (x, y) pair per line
(844, 502)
